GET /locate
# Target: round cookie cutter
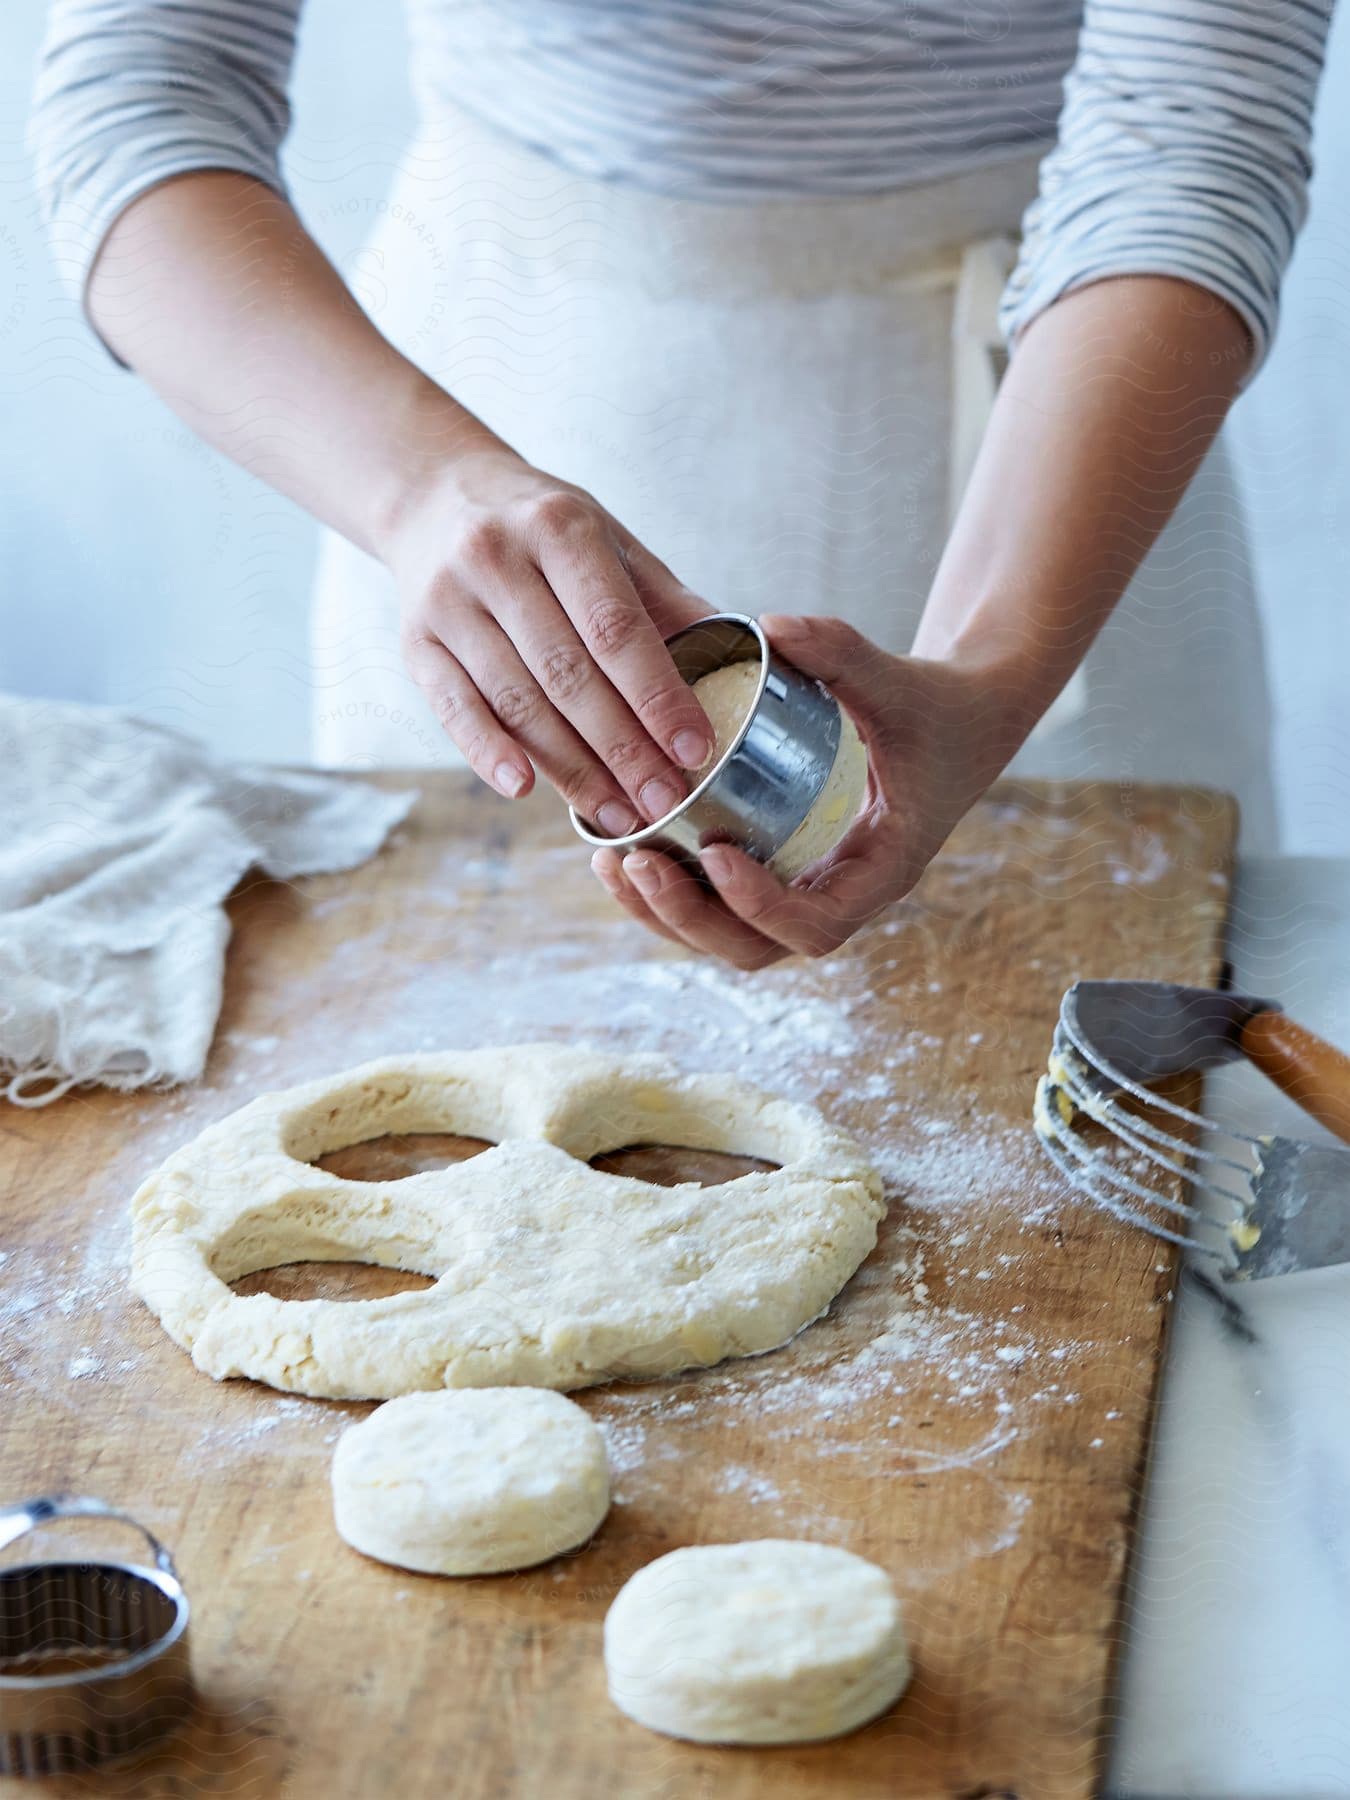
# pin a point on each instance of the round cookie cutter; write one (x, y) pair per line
(94, 1659)
(770, 776)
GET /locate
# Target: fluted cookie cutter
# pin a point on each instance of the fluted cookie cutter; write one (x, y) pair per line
(93, 1655)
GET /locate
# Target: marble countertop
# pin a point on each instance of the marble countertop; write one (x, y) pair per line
(1235, 1676)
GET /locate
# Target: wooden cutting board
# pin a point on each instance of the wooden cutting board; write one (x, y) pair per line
(973, 1413)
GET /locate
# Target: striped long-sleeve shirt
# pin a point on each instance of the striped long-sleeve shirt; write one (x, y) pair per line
(1178, 130)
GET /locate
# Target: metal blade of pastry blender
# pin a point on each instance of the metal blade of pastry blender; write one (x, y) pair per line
(1300, 1206)
(1142, 1030)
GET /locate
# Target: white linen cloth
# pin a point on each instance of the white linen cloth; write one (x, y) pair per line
(119, 842)
(781, 401)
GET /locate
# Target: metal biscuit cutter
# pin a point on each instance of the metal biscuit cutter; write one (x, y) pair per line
(1259, 1205)
(766, 782)
(93, 1655)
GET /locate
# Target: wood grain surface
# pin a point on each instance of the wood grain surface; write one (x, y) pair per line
(973, 1413)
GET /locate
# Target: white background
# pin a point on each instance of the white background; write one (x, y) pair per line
(138, 567)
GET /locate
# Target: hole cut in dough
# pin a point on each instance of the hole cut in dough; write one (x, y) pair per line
(392, 1156)
(667, 1165)
(343, 1282)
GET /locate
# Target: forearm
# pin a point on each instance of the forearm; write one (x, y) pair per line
(1114, 396)
(211, 289)
(531, 619)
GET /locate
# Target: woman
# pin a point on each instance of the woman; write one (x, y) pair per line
(667, 294)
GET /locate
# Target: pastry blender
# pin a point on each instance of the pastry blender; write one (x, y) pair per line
(1258, 1205)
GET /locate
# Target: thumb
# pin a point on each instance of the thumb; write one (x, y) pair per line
(850, 665)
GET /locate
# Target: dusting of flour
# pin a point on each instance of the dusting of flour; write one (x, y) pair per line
(916, 1333)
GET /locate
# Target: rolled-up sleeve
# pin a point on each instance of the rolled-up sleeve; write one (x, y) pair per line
(1184, 150)
(132, 92)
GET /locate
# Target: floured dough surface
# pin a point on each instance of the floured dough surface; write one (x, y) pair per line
(769, 1642)
(471, 1482)
(547, 1273)
(727, 695)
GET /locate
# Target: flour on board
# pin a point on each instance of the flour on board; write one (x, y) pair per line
(808, 1031)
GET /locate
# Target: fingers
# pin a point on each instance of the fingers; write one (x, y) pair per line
(812, 921)
(607, 866)
(466, 718)
(577, 690)
(862, 876)
(578, 557)
(751, 920)
(685, 907)
(519, 705)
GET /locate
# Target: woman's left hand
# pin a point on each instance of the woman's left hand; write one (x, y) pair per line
(936, 736)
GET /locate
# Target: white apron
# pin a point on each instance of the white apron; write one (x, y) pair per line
(781, 400)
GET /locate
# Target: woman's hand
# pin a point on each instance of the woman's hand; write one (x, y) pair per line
(534, 624)
(531, 618)
(935, 738)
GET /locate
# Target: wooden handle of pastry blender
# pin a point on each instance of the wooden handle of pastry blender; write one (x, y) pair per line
(1309, 1070)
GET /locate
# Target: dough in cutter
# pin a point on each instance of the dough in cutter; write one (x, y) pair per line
(834, 809)
(471, 1482)
(726, 695)
(774, 1641)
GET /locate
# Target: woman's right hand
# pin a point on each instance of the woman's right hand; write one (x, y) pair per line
(531, 619)
(534, 624)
